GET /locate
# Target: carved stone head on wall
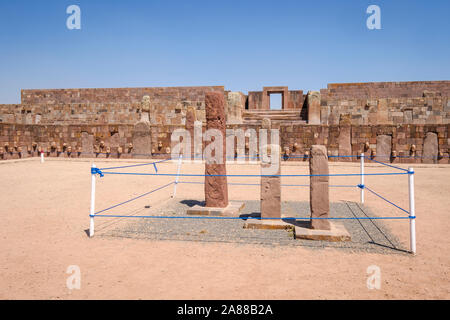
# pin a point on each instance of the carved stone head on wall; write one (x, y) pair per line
(145, 104)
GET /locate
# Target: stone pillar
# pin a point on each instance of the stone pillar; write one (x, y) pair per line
(384, 148)
(216, 187)
(270, 193)
(430, 148)
(87, 145)
(189, 126)
(142, 142)
(345, 137)
(313, 107)
(318, 195)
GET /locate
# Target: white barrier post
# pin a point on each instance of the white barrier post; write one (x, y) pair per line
(91, 224)
(412, 210)
(180, 159)
(42, 156)
(362, 178)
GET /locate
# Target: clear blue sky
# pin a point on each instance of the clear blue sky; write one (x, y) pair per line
(242, 45)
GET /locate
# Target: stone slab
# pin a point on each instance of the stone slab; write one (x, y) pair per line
(337, 233)
(142, 143)
(233, 209)
(430, 148)
(384, 148)
(268, 224)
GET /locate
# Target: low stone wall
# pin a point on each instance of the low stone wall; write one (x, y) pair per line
(407, 143)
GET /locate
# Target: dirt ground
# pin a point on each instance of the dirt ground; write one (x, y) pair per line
(45, 207)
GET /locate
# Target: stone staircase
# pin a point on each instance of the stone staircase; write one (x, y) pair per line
(285, 116)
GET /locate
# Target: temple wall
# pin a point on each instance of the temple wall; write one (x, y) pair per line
(350, 118)
(30, 138)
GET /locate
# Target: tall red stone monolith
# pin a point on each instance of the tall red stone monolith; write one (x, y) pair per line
(216, 188)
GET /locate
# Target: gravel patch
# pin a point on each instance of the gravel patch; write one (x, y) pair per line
(367, 235)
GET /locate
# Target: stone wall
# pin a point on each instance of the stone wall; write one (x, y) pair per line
(106, 106)
(160, 95)
(55, 140)
(349, 119)
(419, 110)
(424, 102)
(105, 140)
(370, 90)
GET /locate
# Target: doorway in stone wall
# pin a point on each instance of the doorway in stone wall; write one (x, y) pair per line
(275, 101)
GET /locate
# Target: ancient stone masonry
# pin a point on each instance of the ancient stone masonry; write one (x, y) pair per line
(347, 118)
(216, 187)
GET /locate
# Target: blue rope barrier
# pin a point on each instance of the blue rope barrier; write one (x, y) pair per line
(122, 203)
(97, 171)
(137, 165)
(253, 218)
(257, 184)
(259, 175)
(386, 200)
(387, 165)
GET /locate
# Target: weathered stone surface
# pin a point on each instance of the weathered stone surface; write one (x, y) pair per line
(87, 144)
(189, 126)
(233, 209)
(266, 123)
(216, 188)
(382, 112)
(384, 147)
(430, 148)
(336, 233)
(313, 99)
(344, 139)
(268, 224)
(270, 194)
(142, 143)
(318, 195)
(145, 109)
(235, 107)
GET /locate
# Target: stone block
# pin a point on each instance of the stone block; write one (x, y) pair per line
(384, 148)
(142, 143)
(336, 233)
(430, 148)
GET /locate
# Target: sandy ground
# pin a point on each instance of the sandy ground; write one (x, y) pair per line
(44, 211)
